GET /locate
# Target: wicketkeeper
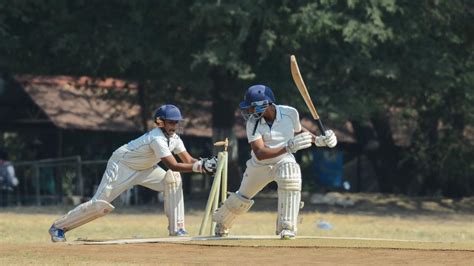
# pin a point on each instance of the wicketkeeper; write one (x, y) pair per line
(274, 133)
(135, 163)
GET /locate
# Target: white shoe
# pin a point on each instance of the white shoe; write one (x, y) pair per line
(221, 231)
(180, 232)
(57, 235)
(286, 234)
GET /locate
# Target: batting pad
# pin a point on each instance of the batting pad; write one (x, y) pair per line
(289, 196)
(234, 205)
(84, 213)
(173, 201)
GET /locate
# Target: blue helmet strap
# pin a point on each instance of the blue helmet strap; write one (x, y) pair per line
(255, 127)
(260, 108)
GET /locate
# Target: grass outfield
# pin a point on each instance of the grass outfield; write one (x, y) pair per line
(426, 228)
(30, 224)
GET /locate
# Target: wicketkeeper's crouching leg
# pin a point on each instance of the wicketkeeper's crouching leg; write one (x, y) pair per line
(110, 187)
(117, 178)
(78, 216)
(233, 206)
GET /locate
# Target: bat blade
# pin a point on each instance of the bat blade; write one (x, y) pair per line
(298, 79)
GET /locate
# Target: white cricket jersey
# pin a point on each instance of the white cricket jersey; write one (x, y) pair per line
(147, 150)
(286, 123)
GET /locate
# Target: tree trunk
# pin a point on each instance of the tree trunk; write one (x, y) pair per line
(143, 103)
(386, 157)
(223, 119)
(428, 134)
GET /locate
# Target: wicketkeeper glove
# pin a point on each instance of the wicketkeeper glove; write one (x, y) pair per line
(205, 165)
(299, 142)
(329, 140)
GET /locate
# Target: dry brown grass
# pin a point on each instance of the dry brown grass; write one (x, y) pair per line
(30, 224)
(25, 228)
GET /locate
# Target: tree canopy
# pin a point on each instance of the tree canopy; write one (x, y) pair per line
(363, 60)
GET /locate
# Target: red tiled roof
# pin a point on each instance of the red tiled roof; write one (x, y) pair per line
(111, 105)
(84, 103)
(80, 82)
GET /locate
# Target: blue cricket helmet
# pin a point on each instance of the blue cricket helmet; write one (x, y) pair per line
(168, 112)
(256, 101)
(257, 95)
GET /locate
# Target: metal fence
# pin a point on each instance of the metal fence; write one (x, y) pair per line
(70, 180)
(54, 181)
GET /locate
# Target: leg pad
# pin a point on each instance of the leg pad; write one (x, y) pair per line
(234, 205)
(289, 196)
(174, 202)
(83, 213)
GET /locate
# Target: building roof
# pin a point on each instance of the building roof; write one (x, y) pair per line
(112, 105)
(85, 103)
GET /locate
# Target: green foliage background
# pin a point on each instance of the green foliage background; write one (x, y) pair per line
(364, 59)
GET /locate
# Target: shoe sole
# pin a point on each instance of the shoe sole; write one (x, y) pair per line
(58, 240)
(55, 239)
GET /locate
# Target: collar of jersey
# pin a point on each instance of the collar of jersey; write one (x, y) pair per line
(277, 116)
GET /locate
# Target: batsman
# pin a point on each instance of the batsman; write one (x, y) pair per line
(135, 163)
(274, 133)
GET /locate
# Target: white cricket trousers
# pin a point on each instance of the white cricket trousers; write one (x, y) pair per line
(118, 177)
(257, 176)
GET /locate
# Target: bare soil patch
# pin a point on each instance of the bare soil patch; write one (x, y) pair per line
(198, 254)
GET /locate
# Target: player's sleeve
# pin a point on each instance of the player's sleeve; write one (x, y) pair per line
(179, 146)
(250, 128)
(296, 120)
(160, 148)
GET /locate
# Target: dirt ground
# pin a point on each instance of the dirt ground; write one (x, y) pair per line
(441, 230)
(159, 253)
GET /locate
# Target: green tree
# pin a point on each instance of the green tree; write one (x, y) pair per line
(376, 56)
(363, 61)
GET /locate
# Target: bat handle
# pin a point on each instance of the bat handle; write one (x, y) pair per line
(321, 127)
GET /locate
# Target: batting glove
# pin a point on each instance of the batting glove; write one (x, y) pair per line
(205, 165)
(328, 140)
(209, 164)
(299, 142)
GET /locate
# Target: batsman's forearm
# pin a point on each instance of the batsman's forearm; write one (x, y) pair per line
(267, 153)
